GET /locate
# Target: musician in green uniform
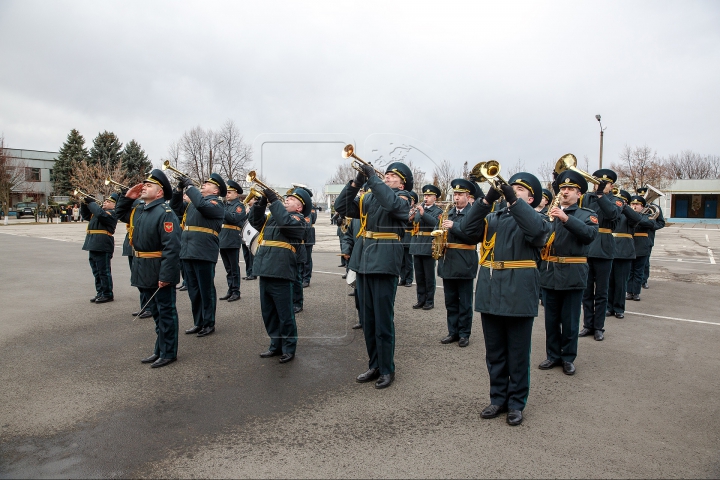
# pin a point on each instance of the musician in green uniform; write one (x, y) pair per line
(377, 260)
(641, 236)
(564, 270)
(623, 257)
(425, 220)
(508, 287)
(154, 234)
(406, 270)
(659, 223)
(347, 244)
(276, 263)
(458, 266)
(127, 251)
(547, 198)
(199, 247)
(309, 244)
(247, 254)
(100, 244)
(230, 239)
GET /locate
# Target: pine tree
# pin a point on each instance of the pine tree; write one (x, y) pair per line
(135, 162)
(73, 151)
(106, 150)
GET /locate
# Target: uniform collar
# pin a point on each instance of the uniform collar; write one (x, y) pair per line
(157, 201)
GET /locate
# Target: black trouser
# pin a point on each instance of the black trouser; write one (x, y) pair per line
(562, 323)
(595, 298)
(182, 273)
(100, 266)
(163, 310)
(231, 261)
(406, 270)
(636, 274)
(276, 296)
(459, 303)
(308, 265)
(130, 262)
(376, 296)
(298, 294)
(425, 276)
(618, 285)
(646, 275)
(507, 355)
(200, 281)
(248, 257)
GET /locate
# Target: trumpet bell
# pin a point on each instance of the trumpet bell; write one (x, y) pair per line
(490, 169)
(251, 176)
(348, 151)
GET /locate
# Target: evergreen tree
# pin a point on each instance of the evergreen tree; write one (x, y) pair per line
(135, 162)
(73, 151)
(106, 150)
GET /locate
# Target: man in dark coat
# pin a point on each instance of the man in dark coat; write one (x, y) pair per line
(659, 223)
(230, 240)
(641, 236)
(425, 220)
(100, 244)
(406, 270)
(623, 257)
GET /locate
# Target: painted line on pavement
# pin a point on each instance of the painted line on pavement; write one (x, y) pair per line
(672, 318)
(710, 254)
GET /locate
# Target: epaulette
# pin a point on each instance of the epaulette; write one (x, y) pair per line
(587, 210)
(297, 217)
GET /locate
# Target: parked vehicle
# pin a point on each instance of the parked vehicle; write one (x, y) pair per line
(25, 209)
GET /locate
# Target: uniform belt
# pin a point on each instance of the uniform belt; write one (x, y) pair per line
(461, 246)
(622, 235)
(424, 234)
(146, 254)
(274, 243)
(408, 231)
(567, 259)
(201, 229)
(382, 235)
(232, 226)
(605, 230)
(640, 234)
(509, 264)
(98, 232)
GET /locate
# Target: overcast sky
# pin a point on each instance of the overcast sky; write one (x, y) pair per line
(462, 81)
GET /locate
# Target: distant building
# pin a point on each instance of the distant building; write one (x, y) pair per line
(691, 199)
(38, 185)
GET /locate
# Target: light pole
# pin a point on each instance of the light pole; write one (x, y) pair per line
(597, 117)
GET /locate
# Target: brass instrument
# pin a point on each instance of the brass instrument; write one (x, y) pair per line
(616, 190)
(166, 166)
(345, 224)
(110, 181)
(349, 151)
(80, 193)
(555, 202)
(569, 162)
(252, 177)
(439, 236)
(650, 196)
(251, 194)
(489, 172)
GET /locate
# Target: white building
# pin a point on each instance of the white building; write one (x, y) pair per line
(38, 184)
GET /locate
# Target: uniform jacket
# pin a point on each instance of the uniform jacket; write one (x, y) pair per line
(421, 244)
(607, 208)
(205, 212)
(347, 241)
(235, 215)
(99, 219)
(625, 246)
(458, 263)
(155, 228)
(127, 249)
(310, 231)
(659, 223)
(520, 232)
(384, 212)
(572, 239)
(642, 242)
(279, 226)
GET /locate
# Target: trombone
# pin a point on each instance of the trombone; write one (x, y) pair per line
(252, 177)
(80, 193)
(349, 151)
(109, 181)
(489, 172)
(178, 173)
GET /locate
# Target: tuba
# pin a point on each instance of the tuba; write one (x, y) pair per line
(110, 181)
(252, 177)
(349, 151)
(439, 236)
(166, 166)
(569, 162)
(651, 195)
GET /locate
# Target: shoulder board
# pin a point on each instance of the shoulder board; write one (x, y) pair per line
(168, 210)
(213, 202)
(297, 217)
(587, 210)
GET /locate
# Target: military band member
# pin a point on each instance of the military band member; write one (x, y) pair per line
(199, 248)
(508, 287)
(406, 269)
(231, 240)
(458, 267)
(100, 244)
(276, 263)
(181, 210)
(641, 236)
(623, 257)
(564, 271)
(309, 244)
(425, 220)
(600, 257)
(155, 238)
(339, 220)
(547, 198)
(377, 260)
(659, 223)
(127, 251)
(348, 244)
(247, 254)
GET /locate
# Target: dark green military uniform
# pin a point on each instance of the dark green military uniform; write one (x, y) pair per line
(231, 241)
(406, 270)
(643, 246)
(347, 244)
(100, 244)
(623, 257)
(421, 250)
(127, 251)
(309, 244)
(277, 266)
(659, 223)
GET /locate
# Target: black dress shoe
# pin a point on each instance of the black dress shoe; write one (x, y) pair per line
(183, 288)
(297, 309)
(636, 297)
(110, 299)
(599, 335)
(244, 278)
(368, 376)
(206, 331)
(344, 276)
(224, 297)
(428, 306)
(357, 326)
(385, 381)
(306, 284)
(619, 315)
(514, 418)
(568, 368)
(450, 339)
(492, 411)
(192, 330)
(286, 357)
(609, 313)
(628, 296)
(547, 364)
(94, 298)
(178, 287)
(161, 362)
(135, 314)
(401, 284)
(150, 359)
(352, 294)
(234, 297)
(418, 305)
(408, 284)
(645, 285)
(585, 332)
(269, 353)
(252, 277)
(145, 314)
(463, 342)
(341, 265)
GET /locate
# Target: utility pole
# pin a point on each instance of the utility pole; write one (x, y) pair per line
(602, 130)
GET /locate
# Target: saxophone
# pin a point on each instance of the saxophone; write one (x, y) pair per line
(439, 236)
(555, 202)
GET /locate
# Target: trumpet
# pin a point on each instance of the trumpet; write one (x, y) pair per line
(110, 181)
(489, 172)
(251, 195)
(651, 195)
(178, 173)
(349, 151)
(252, 177)
(80, 193)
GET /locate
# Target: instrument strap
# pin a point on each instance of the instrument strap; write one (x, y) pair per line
(545, 252)
(262, 230)
(363, 218)
(182, 223)
(131, 226)
(487, 247)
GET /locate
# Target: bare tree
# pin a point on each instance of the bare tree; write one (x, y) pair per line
(91, 178)
(691, 165)
(418, 175)
(195, 153)
(13, 176)
(545, 173)
(234, 156)
(443, 175)
(639, 166)
(511, 170)
(343, 174)
(174, 152)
